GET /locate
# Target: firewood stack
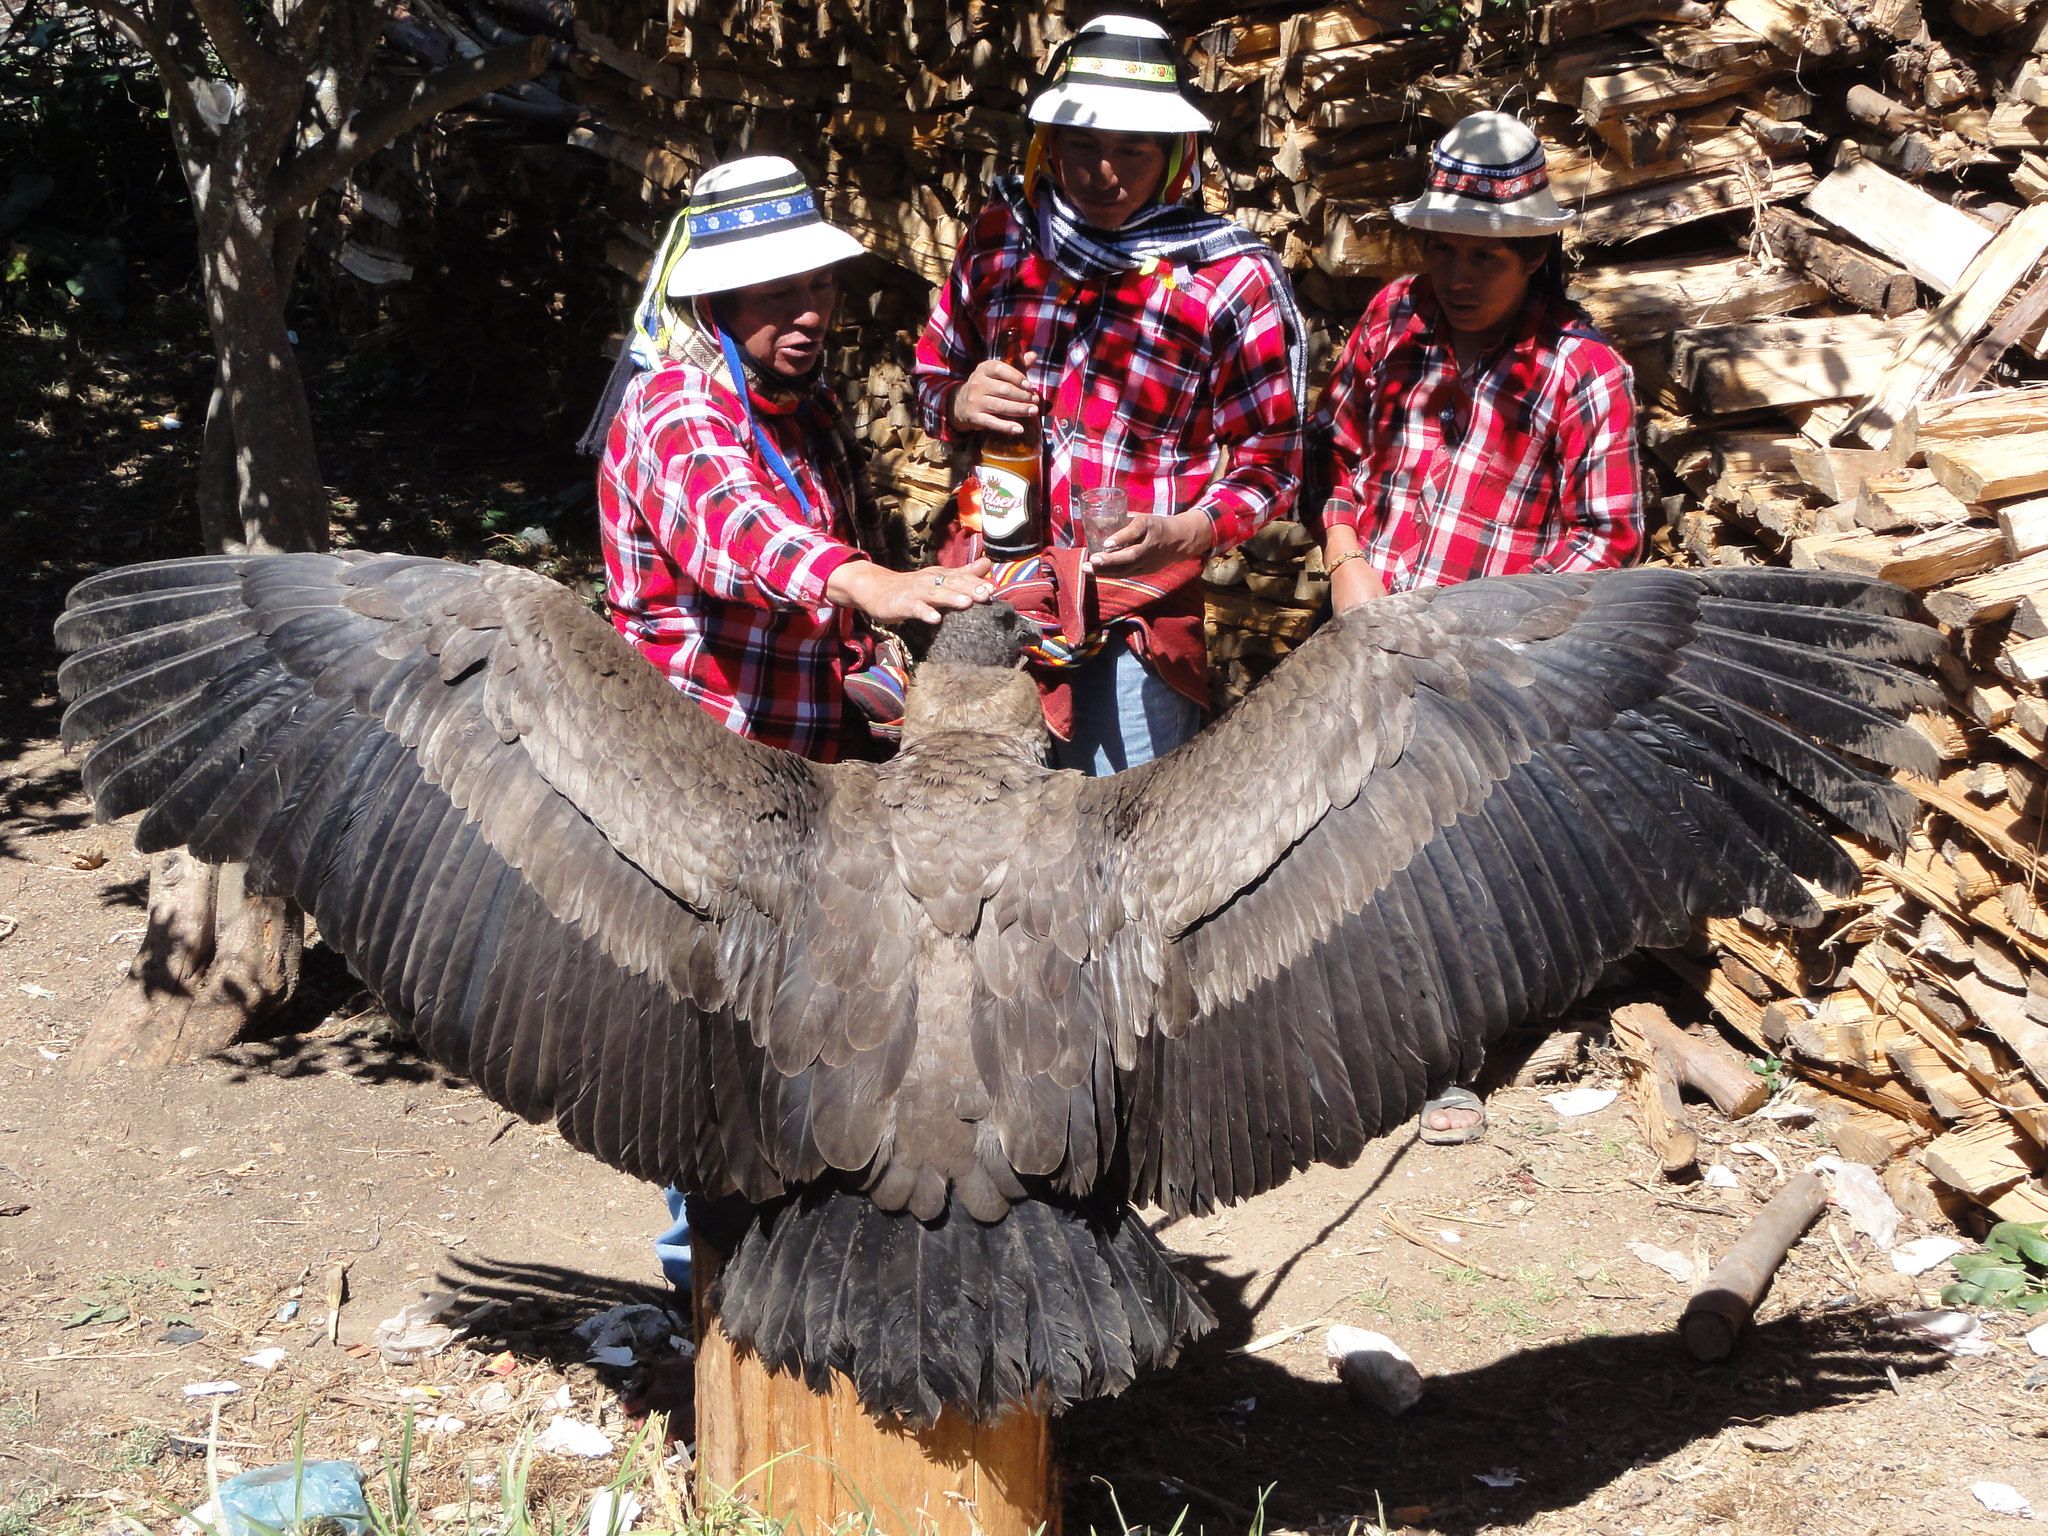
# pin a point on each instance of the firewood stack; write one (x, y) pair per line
(1808, 223)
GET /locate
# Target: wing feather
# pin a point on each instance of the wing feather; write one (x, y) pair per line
(1560, 768)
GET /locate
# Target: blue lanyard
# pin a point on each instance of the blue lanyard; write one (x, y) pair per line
(762, 440)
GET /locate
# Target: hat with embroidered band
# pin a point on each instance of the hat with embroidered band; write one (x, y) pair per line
(1487, 177)
(752, 221)
(1120, 74)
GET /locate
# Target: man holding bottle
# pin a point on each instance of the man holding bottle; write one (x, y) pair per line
(1098, 333)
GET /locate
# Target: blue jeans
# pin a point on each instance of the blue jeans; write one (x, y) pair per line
(672, 1248)
(1123, 715)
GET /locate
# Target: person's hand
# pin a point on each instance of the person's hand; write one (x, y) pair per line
(996, 398)
(1151, 543)
(896, 597)
(1352, 583)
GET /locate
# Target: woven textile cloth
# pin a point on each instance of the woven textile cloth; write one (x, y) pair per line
(1524, 462)
(1158, 617)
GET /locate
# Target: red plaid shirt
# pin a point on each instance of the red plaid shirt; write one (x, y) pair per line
(711, 567)
(1173, 384)
(1524, 463)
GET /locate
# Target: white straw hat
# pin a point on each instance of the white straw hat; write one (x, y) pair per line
(1487, 177)
(1121, 74)
(753, 221)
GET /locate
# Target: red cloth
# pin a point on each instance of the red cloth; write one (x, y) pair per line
(1525, 462)
(716, 573)
(1160, 617)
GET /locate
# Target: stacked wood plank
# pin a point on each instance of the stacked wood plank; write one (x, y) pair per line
(1923, 1001)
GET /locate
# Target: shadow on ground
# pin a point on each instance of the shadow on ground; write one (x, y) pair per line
(1197, 1443)
(1568, 1417)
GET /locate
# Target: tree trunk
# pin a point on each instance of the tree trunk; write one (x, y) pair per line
(214, 960)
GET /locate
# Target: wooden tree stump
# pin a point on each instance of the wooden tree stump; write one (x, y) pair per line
(818, 1459)
(213, 961)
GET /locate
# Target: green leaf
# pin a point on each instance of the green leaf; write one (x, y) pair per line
(96, 1312)
(2024, 1240)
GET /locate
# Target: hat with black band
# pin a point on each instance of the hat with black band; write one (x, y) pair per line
(1119, 74)
(1487, 176)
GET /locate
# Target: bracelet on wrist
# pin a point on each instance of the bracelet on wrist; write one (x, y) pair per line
(1349, 554)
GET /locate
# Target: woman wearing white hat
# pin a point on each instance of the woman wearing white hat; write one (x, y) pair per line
(1136, 341)
(741, 553)
(1479, 425)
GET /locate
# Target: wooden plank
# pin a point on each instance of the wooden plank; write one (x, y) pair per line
(1628, 215)
(1990, 594)
(1783, 362)
(1947, 331)
(1632, 300)
(1992, 469)
(1918, 561)
(1929, 238)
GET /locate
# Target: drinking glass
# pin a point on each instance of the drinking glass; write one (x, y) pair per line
(1103, 510)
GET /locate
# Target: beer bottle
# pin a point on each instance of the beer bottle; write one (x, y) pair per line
(1012, 501)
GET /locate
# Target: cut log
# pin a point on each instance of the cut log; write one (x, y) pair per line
(816, 1461)
(1729, 1296)
(1929, 238)
(1840, 473)
(1653, 1087)
(1876, 1140)
(1945, 334)
(1989, 413)
(1633, 299)
(1980, 1159)
(1783, 362)
(1991, 594)
(1866, 281)
(1947, 1092)
(2024, 525)
(1652, 88)
(1621, 216)
(1992, 469)
(1908, 498)
(1919, 561)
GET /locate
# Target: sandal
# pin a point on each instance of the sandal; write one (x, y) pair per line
(1453, 1098)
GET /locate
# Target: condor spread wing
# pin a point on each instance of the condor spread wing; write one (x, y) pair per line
(1447, 812)
(575, 882)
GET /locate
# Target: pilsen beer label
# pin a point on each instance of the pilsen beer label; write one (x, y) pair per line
(1005, 512)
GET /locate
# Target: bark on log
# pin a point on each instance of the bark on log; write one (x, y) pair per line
(212, 961)
(1728, 1298)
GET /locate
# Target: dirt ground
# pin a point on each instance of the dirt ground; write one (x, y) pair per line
(199, 1205)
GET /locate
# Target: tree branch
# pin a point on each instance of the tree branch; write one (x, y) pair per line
(305, 177)
(177, 84)
(237, 46)
(303, 26)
